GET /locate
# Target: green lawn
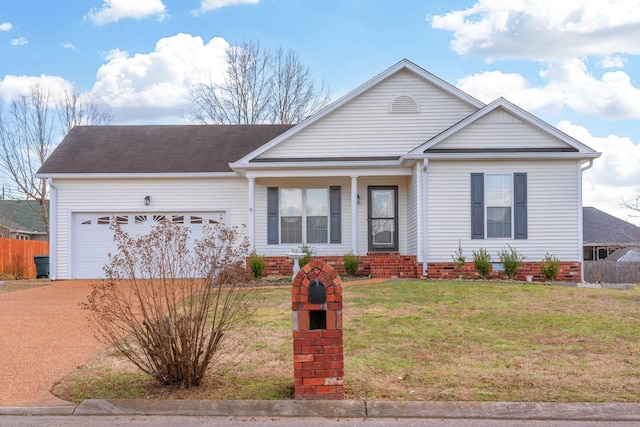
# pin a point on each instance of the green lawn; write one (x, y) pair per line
(429, 340)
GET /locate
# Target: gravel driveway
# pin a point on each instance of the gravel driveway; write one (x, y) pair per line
(44, 336)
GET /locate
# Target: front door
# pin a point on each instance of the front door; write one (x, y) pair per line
(383, 218)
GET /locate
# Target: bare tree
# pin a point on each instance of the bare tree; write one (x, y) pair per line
(75, 109)
(170, 309)
(633, 204)
(259, 86)
(29, 131)
(26, 140)
(295, 96)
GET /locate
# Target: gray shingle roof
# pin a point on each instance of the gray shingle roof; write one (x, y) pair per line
(22, 215)
(600, 228)
(156, 149)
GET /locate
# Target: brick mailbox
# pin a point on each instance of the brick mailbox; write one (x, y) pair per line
(318, 359)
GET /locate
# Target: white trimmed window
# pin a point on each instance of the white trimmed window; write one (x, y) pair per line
(304, 212)
(303, 215)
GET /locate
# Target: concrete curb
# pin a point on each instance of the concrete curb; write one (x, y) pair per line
(256, 408)
(37, 410)
(344, 409)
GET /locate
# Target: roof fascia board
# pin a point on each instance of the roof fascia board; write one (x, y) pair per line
(512, 109)
(172, 175)
(503, 156)
(328, 173)
(403, 64)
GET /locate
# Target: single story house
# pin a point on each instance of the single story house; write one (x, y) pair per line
(604, 234)
(21, 219)
(402, 171)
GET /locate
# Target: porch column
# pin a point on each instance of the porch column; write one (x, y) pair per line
(423, 206)
(354, 215)
(252, 214)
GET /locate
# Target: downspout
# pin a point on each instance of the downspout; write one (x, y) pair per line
(580, 221)
(423, 204)
(53, 222)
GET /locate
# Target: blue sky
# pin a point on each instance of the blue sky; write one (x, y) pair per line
(573, 63)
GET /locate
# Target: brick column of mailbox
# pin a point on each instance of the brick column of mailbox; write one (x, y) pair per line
(318, 357)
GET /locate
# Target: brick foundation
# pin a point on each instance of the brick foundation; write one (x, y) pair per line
(394, 265)
(569, 272)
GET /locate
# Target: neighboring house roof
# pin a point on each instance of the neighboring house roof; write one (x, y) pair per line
(625, 255)
(22, 216)
(156, 149)
(602, 229)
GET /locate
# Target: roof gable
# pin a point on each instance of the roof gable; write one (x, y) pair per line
(508, 117)
(403, 66)
(155, 149)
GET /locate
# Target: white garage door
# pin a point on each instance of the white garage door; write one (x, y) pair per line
(93, 238)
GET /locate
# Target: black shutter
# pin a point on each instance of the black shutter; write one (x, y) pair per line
(477, 206)
(520, 205)
(273, 198)
(335, 214)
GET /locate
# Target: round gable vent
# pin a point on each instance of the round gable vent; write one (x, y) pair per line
(404, 104)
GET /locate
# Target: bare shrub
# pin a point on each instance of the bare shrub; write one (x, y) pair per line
(167, 308)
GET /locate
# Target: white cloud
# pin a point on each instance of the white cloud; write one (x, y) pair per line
(114, 10)
(612, 62)
(69, 46)
(614, 176)
(568, 85)
(153, 86)
(6, 26)
(543, 29)
(209, 5)
(13, 86)
(20, 41)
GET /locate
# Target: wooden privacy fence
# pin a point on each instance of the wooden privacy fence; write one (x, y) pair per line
(611, 272)
(16, 256)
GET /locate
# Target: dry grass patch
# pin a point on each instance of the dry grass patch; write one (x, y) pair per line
(21, 285)
(417, 340)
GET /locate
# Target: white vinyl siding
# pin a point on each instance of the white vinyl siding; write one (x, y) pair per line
(227, 195)
(552, 209)
(365, 126)
(499, 130)
(412, 214)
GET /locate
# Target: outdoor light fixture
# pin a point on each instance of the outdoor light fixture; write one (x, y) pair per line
(147, 200)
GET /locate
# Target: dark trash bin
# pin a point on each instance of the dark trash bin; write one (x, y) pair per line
(42, 265)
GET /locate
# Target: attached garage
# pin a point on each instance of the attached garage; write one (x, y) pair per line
(137, 176)
(93, 236)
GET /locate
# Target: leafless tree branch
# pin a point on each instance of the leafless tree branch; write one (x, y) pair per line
(259, 86)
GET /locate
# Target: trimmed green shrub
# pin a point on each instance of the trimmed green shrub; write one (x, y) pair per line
(510, 260)
(482, 262)
(305, 259)
(351, 264)
(550, 267)
(257, 264)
